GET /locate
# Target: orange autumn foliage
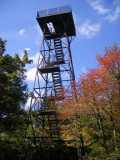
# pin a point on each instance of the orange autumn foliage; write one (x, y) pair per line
(97, 87)
(111, 61)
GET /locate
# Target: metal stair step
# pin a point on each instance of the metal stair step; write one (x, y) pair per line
(54, 73)
(59, 51)
(57, 40)
(57, 81)
(58, 94)
(58, 44)
(58, 55)
(58, 48)
(55, 76)
(57, 84)
(60, 60)
(59, 91)
(58, 87)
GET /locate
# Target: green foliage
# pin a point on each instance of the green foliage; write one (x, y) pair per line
(2, 46)
(94, 123)
(13, 91)
(94, 128)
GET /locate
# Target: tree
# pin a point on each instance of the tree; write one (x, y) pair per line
(96, 115)
(13, 90)
(2, 46)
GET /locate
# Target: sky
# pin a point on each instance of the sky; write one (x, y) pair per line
(97, 25)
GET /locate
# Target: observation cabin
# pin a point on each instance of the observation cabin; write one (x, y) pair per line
(56, 22)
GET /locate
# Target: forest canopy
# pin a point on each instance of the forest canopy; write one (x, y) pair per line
(91, 124)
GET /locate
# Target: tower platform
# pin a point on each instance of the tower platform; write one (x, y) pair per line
(56, 22)
(49, 69)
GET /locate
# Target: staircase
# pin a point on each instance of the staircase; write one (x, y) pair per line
(59, 51)
(52, 122)
(47, 110)
(57, 85)
(53, 126)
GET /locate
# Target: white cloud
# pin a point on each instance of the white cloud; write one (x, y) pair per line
(115, 14)
(110, 14)
(89, 29)
(98, 6)
(30, 74)
(21, 32)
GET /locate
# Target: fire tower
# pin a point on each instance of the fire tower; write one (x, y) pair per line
(55, 78)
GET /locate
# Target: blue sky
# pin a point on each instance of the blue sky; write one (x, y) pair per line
(97, 24)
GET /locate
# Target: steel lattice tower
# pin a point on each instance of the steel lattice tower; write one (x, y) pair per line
(55, 78)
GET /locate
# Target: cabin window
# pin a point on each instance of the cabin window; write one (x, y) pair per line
(51, 27)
